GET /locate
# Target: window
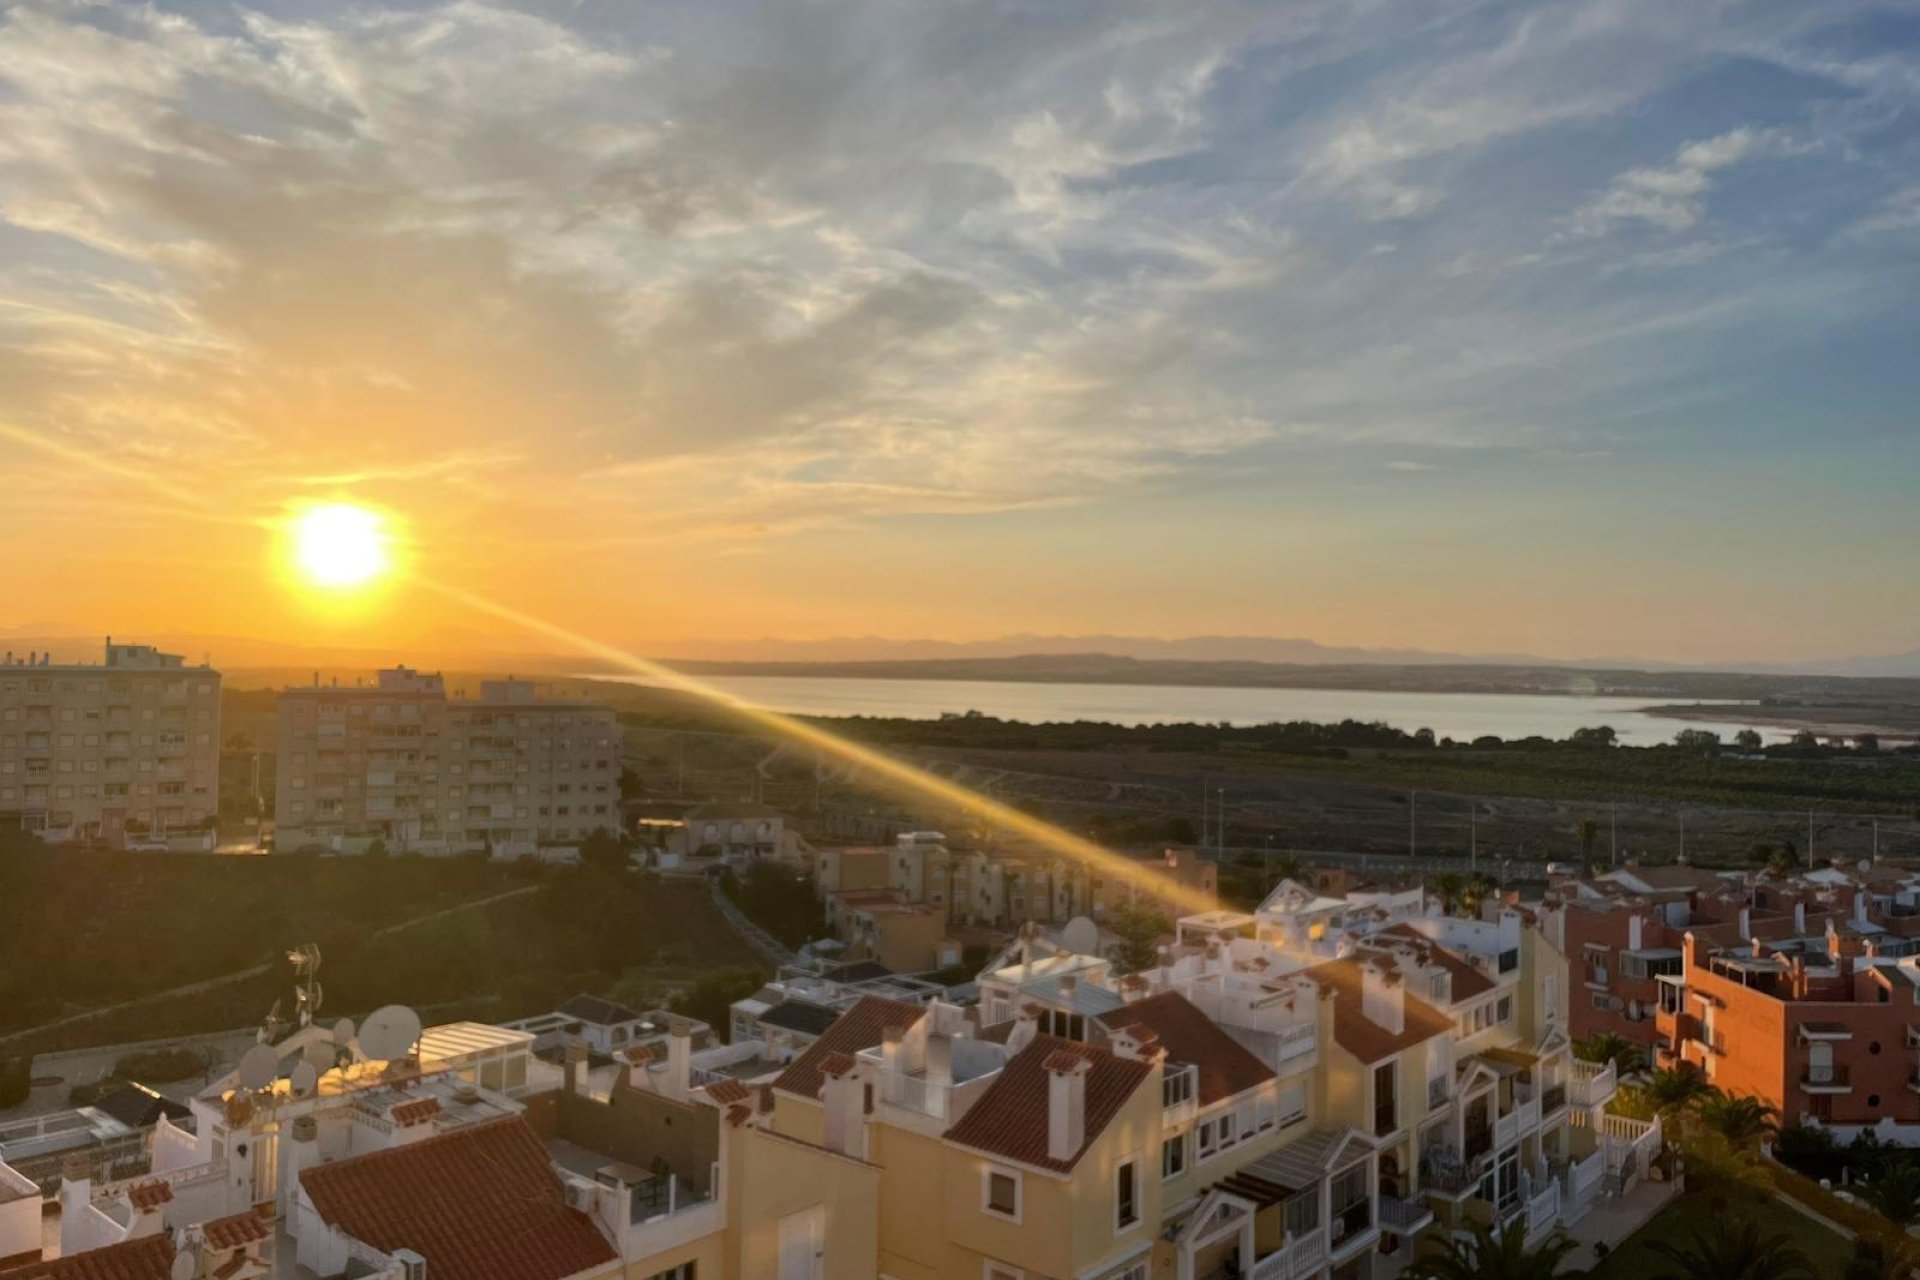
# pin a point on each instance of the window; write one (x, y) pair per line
(1386, 1080)
(1126, 1195)
(1509, 961)
(1176, 1088)
(1173, 1156)
(1553, 995)
(995, 1271)
(685, 1271)
(1505, 1013)
(1000, 1193)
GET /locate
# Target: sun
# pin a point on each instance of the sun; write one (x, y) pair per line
(340, 545)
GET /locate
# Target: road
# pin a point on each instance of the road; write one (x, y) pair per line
(1503, 870)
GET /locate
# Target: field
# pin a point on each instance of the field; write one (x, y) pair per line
(91, 931)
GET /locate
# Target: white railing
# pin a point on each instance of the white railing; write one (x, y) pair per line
(1506, 1130)
(1543, 1210)
(916, 1093)
(1592, 1083)
(191, 1176)
(1583, 1184)
(1308, 1253)
(1529, 1114)
(1403, 1217)
(1295, 1042)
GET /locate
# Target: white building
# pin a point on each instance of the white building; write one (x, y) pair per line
(129, 748)
(402, 762)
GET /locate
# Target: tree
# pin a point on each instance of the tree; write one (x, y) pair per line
(1627, 1056)
(711, 997)
(1705, 741)
(1895, 1193)
(1733, 1249)
(602, 851)
(630, 785)
(1598, 736)
(377, 849)
(1748, 740)
(1423, 737)
(1742, 1121)
(1589, 831)
(1674, 1089)
(1782, 861)
(1448, 887)
(1139, 929)
(16, 1080)
(1487, 1254)
(1804, 741)
(1867, 744)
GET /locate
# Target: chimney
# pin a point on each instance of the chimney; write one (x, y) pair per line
(679, 1056)
(1634, 925)
(1137, 1042)
(1860, 906)
(575, 1064)
(1066, 1104)
(1025, 1027)
(1800, 916)
(1383, 998)
(939, 1058)
(843, 1094)
(1746, 922)
(893, 1042)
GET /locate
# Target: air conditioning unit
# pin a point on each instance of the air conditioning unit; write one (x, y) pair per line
(412, 1265)
(580, 1197)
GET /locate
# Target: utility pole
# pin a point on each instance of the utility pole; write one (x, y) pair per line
(1809, 839)
(1473, 837)
(1876, 839)
(1683, 835)
(1413, 824)
(1613, 833)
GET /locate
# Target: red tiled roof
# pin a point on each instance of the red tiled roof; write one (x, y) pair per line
(860, 1027)
(739, 1114)
(1360, 1035)
(727, 1091)
(1061, 1060)
(148, 1258)
(1468, 981)
(149, 1195)
(836, 1064)
(1009, 1120)
(479, 1203)
(1190, 1036)
(235, 1231)
(419, 1111)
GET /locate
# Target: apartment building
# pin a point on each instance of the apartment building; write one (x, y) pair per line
(125, 749)
(1006, 887)
(400, 761)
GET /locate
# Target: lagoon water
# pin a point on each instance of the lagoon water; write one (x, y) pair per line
(1457, 715)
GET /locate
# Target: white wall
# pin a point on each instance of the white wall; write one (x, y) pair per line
(20, 1216)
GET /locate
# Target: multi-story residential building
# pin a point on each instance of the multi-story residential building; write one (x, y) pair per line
(400, 761)
(1008, 887)
(126, 749)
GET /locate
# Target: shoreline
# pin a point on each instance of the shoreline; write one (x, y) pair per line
(1893, 724)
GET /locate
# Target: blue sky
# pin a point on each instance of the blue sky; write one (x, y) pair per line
(1580, 329)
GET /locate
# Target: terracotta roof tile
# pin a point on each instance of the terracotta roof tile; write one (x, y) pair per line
(1358, 1034)
(235, 1231)
(479, 1203)
(1009, 1120)
(860, 1027)
(727, 1092)
(1189, 1036)
(739, 1114)
(148, 1258)
(149, 1195)
(419, 1111)
(1061, 1060)
(1468, 981)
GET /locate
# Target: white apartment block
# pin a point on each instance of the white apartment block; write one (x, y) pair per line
(402, 762)
(129, 747)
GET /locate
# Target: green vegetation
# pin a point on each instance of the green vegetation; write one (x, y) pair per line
(781, 900)
(160, 1066)
(98, 929)
(1140, 930)
(711, 997)
(1627, 1056)
(1741, 1209)
(1489, 1255)
(16, 1080)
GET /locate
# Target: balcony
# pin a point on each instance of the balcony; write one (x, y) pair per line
(1404, 1217)
(1834, 1077)
(1442, 1170)
(1553, 1099)
(1353, 1230)
(1592, 1083)
(1298, 1256)
(1439, 1091)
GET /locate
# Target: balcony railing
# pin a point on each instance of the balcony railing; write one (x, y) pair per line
(1836, 1077)
(1592, 1083)
(1403, 1217)
(1298, 1256)
(1438, 1091)
(1552, 1099)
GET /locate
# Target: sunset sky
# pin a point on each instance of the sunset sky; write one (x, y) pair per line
(1573, 329)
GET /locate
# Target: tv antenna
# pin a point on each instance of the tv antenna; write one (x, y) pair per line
(306, 981)
(390, 1033)
(258, 1067)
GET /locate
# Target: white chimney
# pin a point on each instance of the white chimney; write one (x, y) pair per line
(892, 1045)
(1383, 998)
(679, 1056)
(1746, 922)
(1066, 1104)
(1800, 916)
(1633, 932)
(1860, 906)
(845, 1099)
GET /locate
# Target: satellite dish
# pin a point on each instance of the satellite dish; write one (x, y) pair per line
(258, 1067)
(343, 1032)
(1081, 936)
(305, 1078)
(321, 1055)
(390, 1033)
(186, 1265)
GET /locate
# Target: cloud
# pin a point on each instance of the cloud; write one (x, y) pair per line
(739, 271)
(1673, 197)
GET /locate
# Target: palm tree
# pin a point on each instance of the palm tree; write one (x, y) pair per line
(1627, 1056)
(1494, 1255)
(1448, 887)
(1674, 1089)
(1724, 1249)
(1895, 1193)
(1741, 1121)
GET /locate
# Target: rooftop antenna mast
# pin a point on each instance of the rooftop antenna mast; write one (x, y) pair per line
(306, 981)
